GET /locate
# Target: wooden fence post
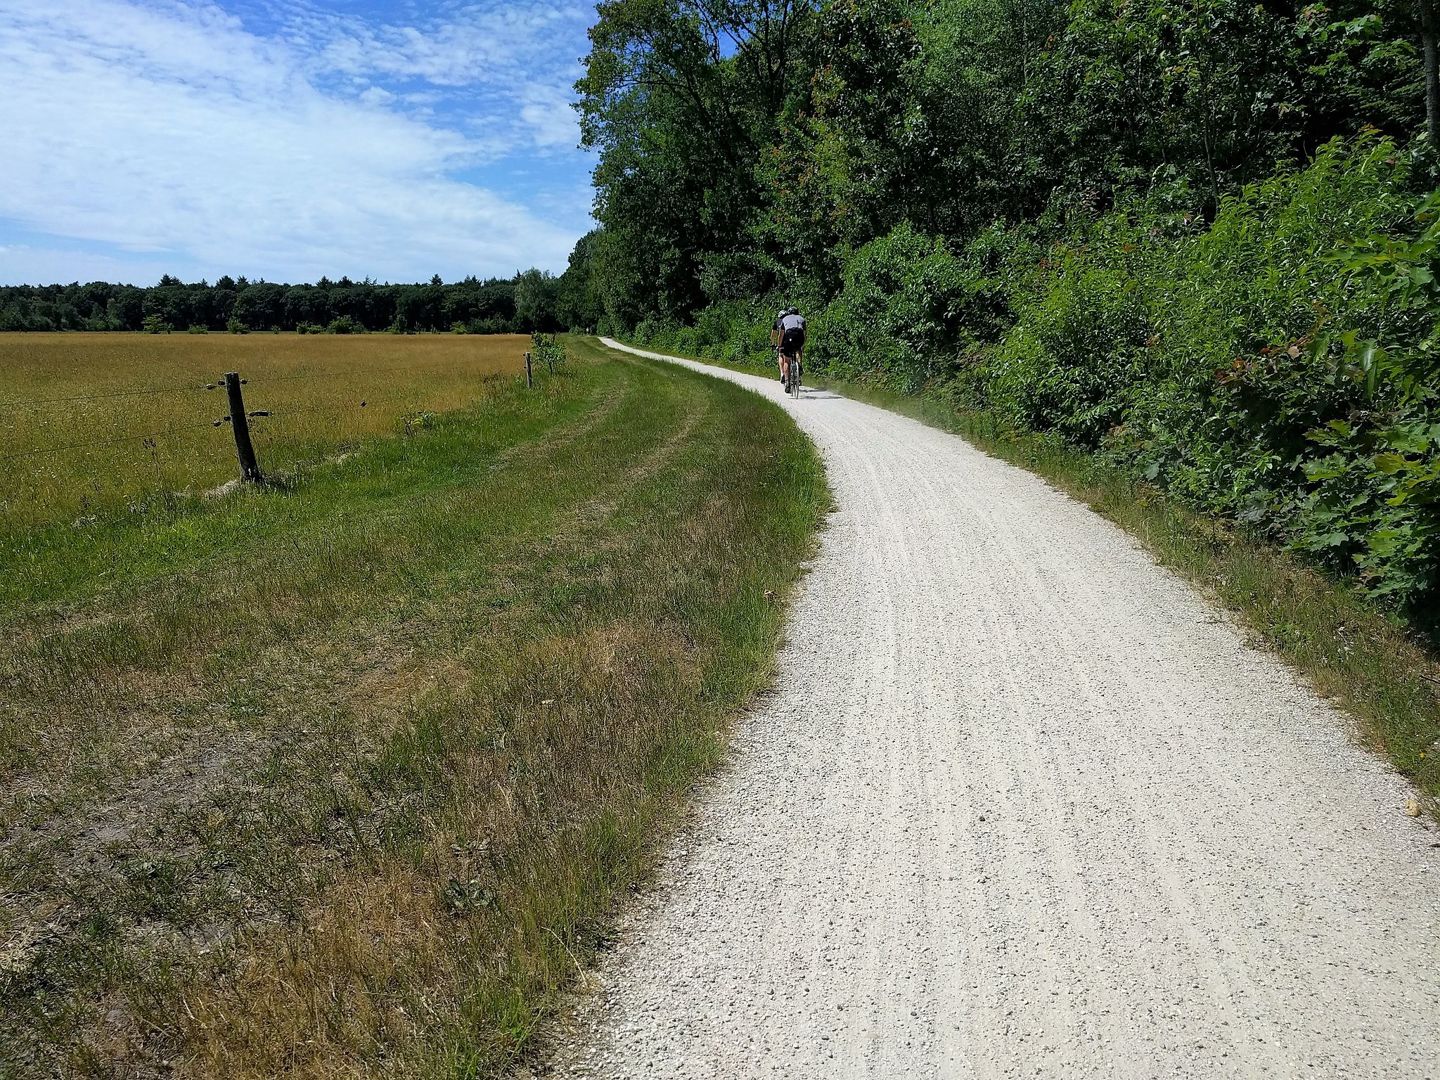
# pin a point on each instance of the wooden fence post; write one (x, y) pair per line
(529, 375)
(240, 424)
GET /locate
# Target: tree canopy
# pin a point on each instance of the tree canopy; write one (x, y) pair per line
(746, 146)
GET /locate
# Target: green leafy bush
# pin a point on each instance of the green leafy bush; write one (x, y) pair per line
(547, 351)
(1278, 366)
(483, 326)
(1274, 367)
(1374, 478)
(897, 318)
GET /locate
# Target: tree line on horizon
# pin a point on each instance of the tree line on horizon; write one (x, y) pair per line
(531, 301)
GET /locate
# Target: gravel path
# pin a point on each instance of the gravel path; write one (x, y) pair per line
(1022, 804)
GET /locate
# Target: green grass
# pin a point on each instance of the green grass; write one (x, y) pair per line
(1382, 672)
(343, 778)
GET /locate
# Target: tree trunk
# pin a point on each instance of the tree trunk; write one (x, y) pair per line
(1429, 27)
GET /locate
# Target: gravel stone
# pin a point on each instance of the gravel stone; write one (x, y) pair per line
(1021, 804)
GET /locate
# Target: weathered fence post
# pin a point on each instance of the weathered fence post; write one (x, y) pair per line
(240, 424)
(529, 375)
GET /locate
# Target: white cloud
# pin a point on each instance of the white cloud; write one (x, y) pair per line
(551, 120)
(376, 95)
(513, 54)
(500, 44)
(169, 129)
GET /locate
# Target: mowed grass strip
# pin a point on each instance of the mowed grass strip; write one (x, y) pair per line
(352, 787)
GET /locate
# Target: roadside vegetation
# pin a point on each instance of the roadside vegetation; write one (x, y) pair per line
(345, 776)
(1192, 247)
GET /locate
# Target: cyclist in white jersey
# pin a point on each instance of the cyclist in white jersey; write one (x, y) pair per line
(789, 334)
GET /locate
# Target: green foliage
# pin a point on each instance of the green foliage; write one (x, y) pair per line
(1274, 368)
(1374, 501)
(238, 305)
(344, 324)
(154, 324)
(898, 314)
(748, 149)
(1374, 504)
(1045, 376)
(536, 299)
(547, 350)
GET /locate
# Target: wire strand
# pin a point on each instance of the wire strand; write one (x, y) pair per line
(18, 402)
(100, 442)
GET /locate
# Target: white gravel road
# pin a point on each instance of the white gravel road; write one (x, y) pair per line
(1022, 804)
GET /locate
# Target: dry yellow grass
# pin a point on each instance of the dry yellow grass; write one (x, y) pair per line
(60, 390)
(344, 777)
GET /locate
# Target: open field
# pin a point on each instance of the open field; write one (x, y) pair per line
(345, 778)
(60, 390)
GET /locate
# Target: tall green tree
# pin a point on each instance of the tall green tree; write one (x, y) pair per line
(680, 98)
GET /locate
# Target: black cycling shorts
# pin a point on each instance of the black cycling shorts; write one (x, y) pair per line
(792, 341)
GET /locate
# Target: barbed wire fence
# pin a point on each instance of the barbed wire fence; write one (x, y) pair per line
(237, 414)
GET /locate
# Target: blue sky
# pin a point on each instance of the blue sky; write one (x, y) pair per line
(288, 140)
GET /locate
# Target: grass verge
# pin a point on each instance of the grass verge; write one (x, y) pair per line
(345, 778)
(1383, 673)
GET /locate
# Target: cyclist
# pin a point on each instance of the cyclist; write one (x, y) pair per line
(776, 331)
(790, 329)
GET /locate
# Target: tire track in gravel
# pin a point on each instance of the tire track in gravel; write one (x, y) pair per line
(1021, 804)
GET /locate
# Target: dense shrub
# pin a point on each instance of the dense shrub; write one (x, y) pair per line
(1278, 366)
(482, 326)
(898, 316)
(1075, 362)
(1274, 367)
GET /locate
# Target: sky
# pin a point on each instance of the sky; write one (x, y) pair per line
(289, 139)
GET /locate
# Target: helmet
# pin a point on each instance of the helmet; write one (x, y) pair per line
(793, 311)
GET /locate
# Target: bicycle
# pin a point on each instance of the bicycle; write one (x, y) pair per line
(793, 375)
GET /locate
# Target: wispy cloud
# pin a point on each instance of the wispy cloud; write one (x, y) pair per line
(320, 144)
